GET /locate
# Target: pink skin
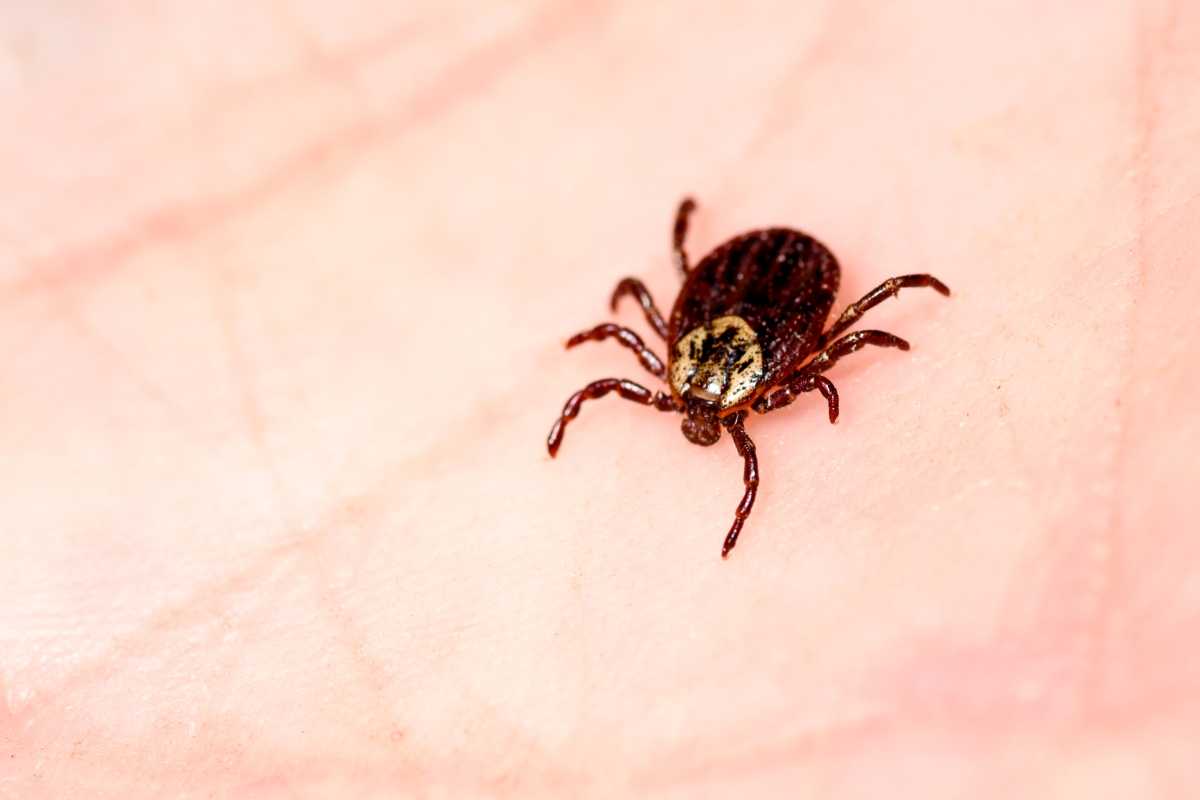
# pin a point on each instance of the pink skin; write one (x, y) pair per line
(284, 292)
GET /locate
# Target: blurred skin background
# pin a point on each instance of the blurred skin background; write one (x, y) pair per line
(283, 291)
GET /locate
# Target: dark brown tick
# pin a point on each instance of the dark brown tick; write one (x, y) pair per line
(745, 333)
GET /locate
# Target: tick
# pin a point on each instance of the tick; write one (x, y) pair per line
(747, 333)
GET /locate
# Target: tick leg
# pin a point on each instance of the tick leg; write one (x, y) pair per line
(848, 344)
(799, 384)
(636, 288)
(680, 232)
(626, 337)
(889, 288)
(627, 389)
(745, 448)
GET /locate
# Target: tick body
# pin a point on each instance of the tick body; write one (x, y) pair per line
(746, 334)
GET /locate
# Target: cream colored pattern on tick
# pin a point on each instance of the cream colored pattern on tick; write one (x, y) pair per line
(715, 378)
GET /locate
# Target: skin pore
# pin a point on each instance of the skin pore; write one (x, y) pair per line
(284, 294)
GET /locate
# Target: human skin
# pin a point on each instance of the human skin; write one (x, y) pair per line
(283, 292)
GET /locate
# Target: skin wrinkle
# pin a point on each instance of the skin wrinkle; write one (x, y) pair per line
(527, 756)
(143, 640)
(341, 65)
(441, 457)
(197, 606)
(682, 769)
(472, 74)
(302, 546)
(1151, 48)
(240, 371)
(781, 109)
(190, 608)
(65, 309)
(346, 628)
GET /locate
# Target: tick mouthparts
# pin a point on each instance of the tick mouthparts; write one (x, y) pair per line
(707, 384)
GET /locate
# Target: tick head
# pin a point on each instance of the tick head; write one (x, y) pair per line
(700, 425)
(719, 363)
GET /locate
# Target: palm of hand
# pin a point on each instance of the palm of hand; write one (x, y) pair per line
(284, 337)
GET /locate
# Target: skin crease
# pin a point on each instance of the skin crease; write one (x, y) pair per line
(284, 290)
